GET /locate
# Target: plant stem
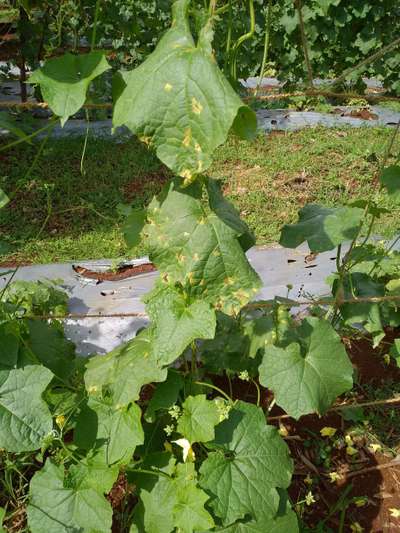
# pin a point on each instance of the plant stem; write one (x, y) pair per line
(151, 472)
(96, 18)
(266, 46)
(258, 392)
(299, 8)
(31, 136)
(214, 387)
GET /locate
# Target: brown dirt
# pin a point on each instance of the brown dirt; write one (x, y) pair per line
(124, 272)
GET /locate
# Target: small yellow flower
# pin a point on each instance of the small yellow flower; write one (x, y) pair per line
(308, 480)
(348, 440)
(334, 476)
(374, 448)
(309, 499)
(60, 421)
(350, 450)
(283, 432)
(328, 432)
(169, 430)
(356, 528)
(360, 501)
(394, 512)
(386, 359)
(244, 375)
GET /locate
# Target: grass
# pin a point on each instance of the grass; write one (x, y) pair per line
(59, 213)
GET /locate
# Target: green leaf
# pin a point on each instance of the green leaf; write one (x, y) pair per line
(268, 518)
(359, 285)
(323, 228)
(307, 377)
(4, 199)
(173, 99)
(2, 517)
(50, 346)
(395, 351)
(66, 503)
(165, 395)
(176, 503)
(132, 227)
(192, 246)
(177, 323)
(125, 370)
(9, 345)
(114, 431)
(64, 81)
(390, 179)
(198, 419)
(25, 419)
(250, 460)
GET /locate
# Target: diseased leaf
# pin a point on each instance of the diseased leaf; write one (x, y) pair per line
(25, 419)
(250, 460)
(199, 418)
(177, 323)
(307, 377)
(390, 179)
(66, 503)
(165, 395)
(323, 228)
(192, 246)
(173, 99)
(125, 370)
(64, 81)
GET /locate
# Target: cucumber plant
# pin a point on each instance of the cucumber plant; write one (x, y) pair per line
(150, 412)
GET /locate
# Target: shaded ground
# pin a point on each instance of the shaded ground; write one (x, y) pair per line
(62, 212)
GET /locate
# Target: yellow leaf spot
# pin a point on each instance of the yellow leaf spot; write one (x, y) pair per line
(200, 166)
(216, 253)
(146, 140)
(186, 234)
(202, 220)
(190, 277)
(92, 389)
(229, 281)
(187, 175)
(328, 431)
(180, 257)
(197, 147)
(165, 278)
(197, 108)
(187, 138)
(196, 257)
(168, 87)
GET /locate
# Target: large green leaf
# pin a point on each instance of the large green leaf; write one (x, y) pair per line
(174, 99)
(114, 431)
(177, 322)
(250, 460)
(192, 246)
(125, 370)
(50, 346)
(9, 347)
(323, 228)
(269, 518)
(307, 377)
(64, 81)
(176, 502)
(199, 418)
(66, 503)
(390, 179)
(25, 419)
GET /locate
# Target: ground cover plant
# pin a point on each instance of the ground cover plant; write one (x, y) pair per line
(159, 418)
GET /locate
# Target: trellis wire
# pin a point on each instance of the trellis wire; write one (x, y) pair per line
(251, 306)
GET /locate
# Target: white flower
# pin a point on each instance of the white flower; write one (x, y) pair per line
(188, 453)
(169, 430)
(175, 412)
(309, 499)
